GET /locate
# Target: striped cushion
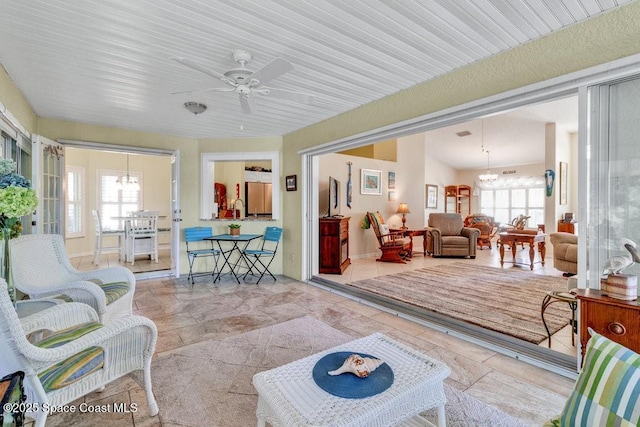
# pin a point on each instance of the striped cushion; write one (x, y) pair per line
(113, 291)
(607, 389)
(64, 336)
(75, 367)
(72, 369)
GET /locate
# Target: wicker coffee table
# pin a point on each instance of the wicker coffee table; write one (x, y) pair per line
(288, 395)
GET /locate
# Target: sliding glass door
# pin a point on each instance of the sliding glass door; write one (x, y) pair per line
(613, 191)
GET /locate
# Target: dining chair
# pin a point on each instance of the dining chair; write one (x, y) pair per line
(100, 234)
(142, 235)
(267, 250)
(194, 235)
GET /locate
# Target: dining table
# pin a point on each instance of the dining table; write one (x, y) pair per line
(232, 243)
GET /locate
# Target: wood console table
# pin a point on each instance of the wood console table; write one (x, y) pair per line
(512, 240)
(616, 319)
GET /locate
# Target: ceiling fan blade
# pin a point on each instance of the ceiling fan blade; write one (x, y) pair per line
(247, 104)
(199, 67)
(289, 95)
(272, 70)
(209, 89)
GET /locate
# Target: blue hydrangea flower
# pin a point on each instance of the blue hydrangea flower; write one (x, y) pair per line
(14, 180)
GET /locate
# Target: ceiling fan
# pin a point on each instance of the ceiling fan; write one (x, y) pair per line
(246, 83)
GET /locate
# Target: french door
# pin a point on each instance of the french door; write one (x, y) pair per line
(48, 170)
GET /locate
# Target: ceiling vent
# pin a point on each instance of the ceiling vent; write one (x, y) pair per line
(463, 133)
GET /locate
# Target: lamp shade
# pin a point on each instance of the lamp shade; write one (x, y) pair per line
(403, 208)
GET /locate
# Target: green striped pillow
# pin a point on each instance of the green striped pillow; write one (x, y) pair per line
(75, 367)
(607, 390)
(113, 291)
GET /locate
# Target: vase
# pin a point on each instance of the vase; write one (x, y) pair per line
(5, 268)
(234, 231)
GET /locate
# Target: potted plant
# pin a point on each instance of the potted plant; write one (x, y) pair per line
(234, 229)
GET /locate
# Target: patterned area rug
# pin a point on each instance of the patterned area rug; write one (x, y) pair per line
(209, 383)
(502, 300)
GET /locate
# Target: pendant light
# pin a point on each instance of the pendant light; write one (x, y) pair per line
(128, 182)
(486, 178)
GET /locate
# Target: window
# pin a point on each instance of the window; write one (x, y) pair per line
(75, 202)
(115, 202)
(504, 204)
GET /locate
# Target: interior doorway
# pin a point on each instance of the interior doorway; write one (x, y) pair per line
(92, 182)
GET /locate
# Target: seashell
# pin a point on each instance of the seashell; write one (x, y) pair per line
(358, 365)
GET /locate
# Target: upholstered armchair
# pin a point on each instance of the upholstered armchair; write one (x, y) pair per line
(41, 269)
(447, 236)
(394, 246)
(565, 252)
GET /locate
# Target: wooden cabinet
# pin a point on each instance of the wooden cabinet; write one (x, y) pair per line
(334, 245)
(566, 227)
(457, 198)
(616, 319)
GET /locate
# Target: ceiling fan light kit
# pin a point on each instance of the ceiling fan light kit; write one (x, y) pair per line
(245, 82)
(195, 107)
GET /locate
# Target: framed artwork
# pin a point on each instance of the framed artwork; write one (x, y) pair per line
(370, 181)
(291, 182)
(564, 174)
(392, 180)
(431, 200)
(392, 196)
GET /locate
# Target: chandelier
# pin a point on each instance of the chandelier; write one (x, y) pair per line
(127, 182)
(488, 178)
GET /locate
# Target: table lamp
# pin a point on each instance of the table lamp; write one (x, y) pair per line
(404, 210)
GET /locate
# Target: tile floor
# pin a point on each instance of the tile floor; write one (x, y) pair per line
(186, 315)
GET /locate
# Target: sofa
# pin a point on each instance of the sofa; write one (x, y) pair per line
(565, 252)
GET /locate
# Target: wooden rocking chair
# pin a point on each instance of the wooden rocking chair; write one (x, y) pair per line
(394, 246)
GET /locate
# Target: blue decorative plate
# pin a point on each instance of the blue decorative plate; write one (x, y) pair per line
(348, 385)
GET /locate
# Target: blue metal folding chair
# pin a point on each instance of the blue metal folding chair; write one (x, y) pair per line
(197, 234)
(268, 249)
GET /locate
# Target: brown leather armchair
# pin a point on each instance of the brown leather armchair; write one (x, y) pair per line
(565, 252)
(447, 236)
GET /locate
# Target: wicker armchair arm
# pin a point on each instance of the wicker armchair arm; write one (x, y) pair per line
(114, 333)
(109, 275)
(59, 317)
(80, 291)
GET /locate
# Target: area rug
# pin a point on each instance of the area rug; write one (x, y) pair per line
(209, 383)
(502, 300)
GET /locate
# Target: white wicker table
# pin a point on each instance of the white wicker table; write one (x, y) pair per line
(288, 395)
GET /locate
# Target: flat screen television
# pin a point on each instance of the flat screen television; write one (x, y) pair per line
(329, 198)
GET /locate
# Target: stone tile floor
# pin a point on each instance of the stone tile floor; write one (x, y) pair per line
(186, 315)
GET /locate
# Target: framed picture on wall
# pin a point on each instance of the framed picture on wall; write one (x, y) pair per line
(291, 182)
(392, 180)
(431, 199)
(370, 181)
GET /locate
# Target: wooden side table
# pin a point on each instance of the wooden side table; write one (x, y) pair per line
(407, 232)
(513, 239)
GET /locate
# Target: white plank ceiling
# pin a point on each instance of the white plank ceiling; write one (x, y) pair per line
(106, 62)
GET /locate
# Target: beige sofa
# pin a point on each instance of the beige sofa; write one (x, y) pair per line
(565, 252)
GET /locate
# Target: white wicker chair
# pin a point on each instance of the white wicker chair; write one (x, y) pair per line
(127, 346)
(41, 269)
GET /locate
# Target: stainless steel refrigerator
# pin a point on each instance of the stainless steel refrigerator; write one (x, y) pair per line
(258, 195)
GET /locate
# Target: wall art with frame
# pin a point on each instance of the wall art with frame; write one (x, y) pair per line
(431, 199)
(370, 181)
